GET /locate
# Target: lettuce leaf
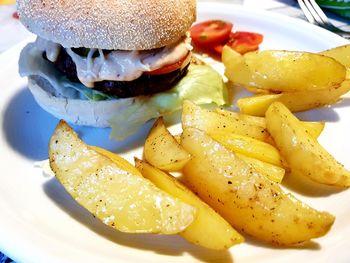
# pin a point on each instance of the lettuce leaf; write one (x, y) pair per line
(202, 85)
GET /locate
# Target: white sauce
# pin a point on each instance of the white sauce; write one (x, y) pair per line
(52, 49)
(119, 65)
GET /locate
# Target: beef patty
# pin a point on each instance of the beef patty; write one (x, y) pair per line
(144, 85)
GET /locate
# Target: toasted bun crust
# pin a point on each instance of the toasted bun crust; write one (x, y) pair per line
(108, 24)
(75, 111)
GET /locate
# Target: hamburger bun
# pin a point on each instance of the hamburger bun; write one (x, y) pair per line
(109, 24)
(77, 111)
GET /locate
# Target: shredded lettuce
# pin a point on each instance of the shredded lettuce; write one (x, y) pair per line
(202, 85)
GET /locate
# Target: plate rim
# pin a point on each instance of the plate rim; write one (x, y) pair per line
(11, 252)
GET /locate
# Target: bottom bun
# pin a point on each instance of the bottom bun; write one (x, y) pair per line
(76, 111)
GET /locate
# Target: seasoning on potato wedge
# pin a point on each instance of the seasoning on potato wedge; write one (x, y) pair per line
(302, 152)
(341, 54)
(162, 150)
(283, 71)
(250, 119)
(247, 200)
(273, 172)
(209, 229)
(118, 160)
(213, 122)
(115, 195)
(314, 128)
(294, 101)
(249, 147)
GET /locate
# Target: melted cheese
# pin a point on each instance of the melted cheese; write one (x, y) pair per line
(118, 65)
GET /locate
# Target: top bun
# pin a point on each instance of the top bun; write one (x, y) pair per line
(108, 24)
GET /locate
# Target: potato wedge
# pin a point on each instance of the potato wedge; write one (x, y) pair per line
(302, 152)
(273, 172)
(312, 127)
(119, 198)
(283, 71)
(341, 54)
(236, 70)
(212, 122)
(162, 150)
(249, 147)
(209, 229)
(177, 138)
(249, 201)
(294, 101)
(118, 160)
(250, 119)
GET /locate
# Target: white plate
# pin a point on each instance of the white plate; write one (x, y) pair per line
(39, 222)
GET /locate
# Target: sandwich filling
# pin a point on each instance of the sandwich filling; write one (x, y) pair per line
(75, 102)
(121, 73)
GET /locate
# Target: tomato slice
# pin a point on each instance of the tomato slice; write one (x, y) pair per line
(169, 68)
(242, 42)
(210, 33)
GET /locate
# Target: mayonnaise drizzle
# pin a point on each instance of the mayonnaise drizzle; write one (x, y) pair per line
(118, 65)
(52, 49)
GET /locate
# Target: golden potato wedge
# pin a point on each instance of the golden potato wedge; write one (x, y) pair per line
(250, 119)
(273, 172)
(236, 70)
(281, 70)
(212, 122)
(341, 54)
(249, 201)
(162, 150)
(177, 137)
(249, 147)
(312, 127)
(302, 152)
(294, 101)
(119, 198)
(118, 160)
(209, 229)
(257, 90)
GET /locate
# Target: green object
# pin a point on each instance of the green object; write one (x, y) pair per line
(340, 7)
(202, 85)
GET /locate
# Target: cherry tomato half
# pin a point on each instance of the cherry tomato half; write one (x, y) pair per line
(242, 42)
(15, 15)
(169, 68)
(210, 33)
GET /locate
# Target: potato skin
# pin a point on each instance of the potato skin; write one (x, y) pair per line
(162, 150)
(302, 152)
(116, 195)
(295, 101)
(212, 123)
(283, 71)
(249, 201)
(209, 229)
(341, 54)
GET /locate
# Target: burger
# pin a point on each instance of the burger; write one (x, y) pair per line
(105, 63)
